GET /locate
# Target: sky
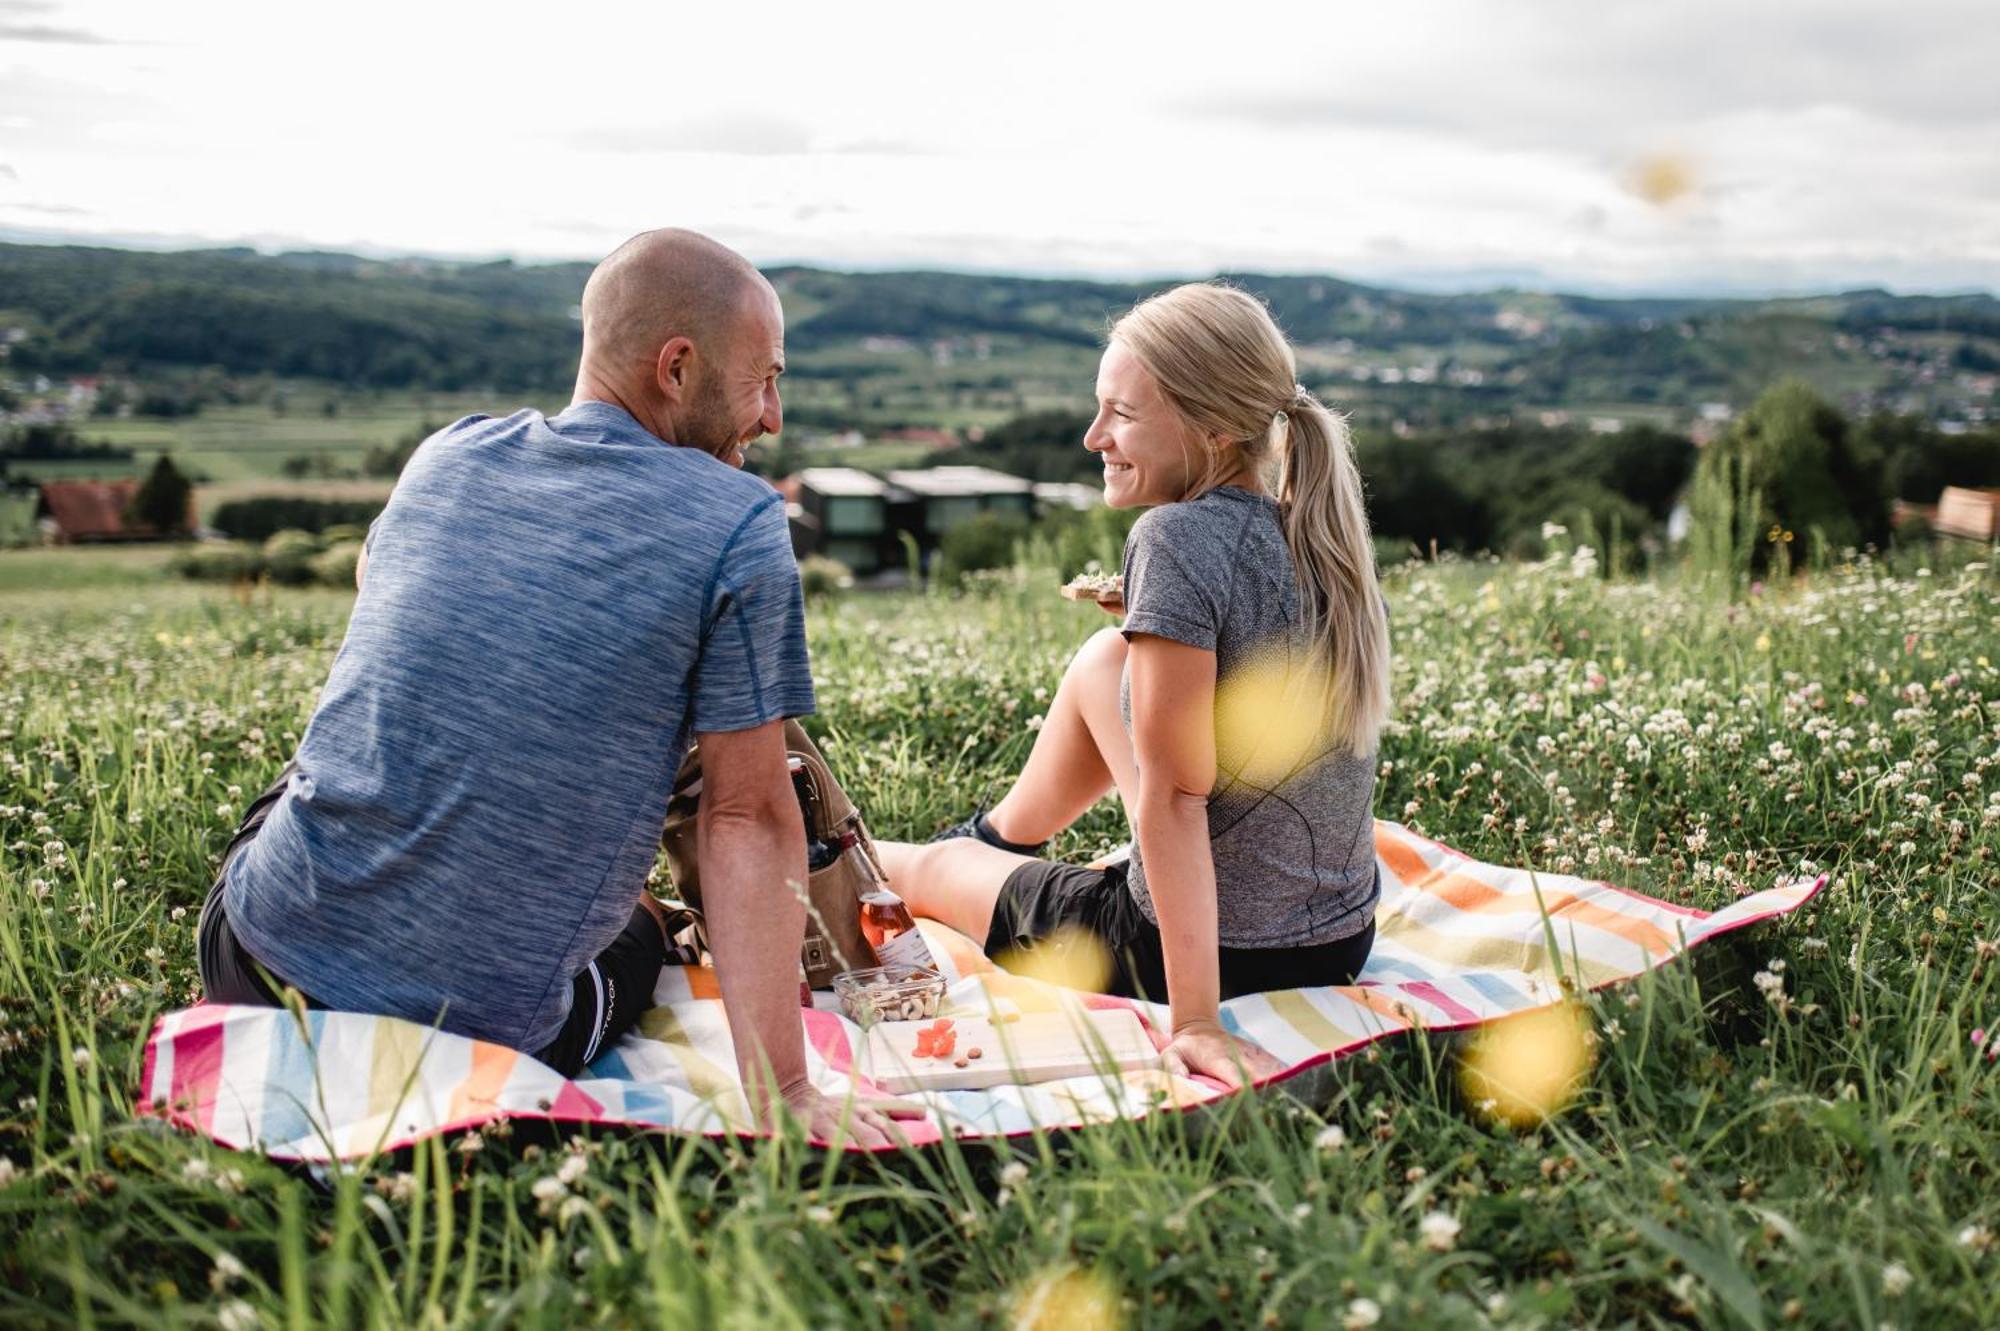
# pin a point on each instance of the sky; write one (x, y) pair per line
(1746, 146)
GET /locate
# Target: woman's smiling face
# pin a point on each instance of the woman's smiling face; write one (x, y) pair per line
(1150, 454)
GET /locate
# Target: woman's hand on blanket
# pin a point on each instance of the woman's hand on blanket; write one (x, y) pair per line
(1204, 1049)
(869, 1120)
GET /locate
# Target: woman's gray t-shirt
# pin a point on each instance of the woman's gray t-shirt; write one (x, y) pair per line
(1293, 839)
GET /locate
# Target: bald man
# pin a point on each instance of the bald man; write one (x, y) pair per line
(549, 608)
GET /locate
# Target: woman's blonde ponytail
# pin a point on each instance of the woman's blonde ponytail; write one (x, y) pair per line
(1326, 527)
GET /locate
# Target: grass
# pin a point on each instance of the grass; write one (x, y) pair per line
(1821, 1155)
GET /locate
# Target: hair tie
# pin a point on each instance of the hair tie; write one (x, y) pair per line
(1300, 397)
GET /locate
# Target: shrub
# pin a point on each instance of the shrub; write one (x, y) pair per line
(219, 561)
(820, 575)
(335, 565)
(289, 555)
(263, 516)
(986, 540)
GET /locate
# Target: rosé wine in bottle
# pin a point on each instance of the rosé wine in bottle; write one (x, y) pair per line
(892, 931)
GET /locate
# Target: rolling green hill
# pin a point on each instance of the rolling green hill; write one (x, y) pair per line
(957, 349)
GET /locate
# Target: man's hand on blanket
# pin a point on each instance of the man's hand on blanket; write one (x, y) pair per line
(1204, 1049)
(867, 1119)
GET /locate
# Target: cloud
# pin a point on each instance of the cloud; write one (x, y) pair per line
(746, 135)
(1570, 75)
(37, 32)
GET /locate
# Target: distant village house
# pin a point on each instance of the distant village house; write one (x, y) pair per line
(857, 518)
(75, 512)
(1973, 514)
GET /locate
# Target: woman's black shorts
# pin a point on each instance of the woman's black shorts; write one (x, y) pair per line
(1043, 900)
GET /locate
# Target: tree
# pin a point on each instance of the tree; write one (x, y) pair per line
(161, 502)
(1810, 472)
(390, 459)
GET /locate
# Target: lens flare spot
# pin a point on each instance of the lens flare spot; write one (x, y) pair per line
(1072, 957)
(1067, 1300)
(1662, 179)
(1525, 1069)
(1271, 718)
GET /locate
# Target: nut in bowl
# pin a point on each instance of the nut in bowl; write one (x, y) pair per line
(889, 993)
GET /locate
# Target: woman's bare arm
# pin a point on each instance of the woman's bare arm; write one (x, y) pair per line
(1173, 734)
(1173, 737)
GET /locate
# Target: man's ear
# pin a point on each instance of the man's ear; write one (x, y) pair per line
(674, 367)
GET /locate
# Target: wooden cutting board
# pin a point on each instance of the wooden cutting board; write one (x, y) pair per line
(1039, 1046)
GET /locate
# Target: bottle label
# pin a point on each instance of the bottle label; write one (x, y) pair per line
(906, 949)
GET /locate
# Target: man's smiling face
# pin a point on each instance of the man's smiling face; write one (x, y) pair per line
(735, 399)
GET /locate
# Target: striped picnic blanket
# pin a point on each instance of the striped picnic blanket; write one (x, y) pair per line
(1458, 942)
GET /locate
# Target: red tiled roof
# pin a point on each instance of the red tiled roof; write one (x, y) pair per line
(86, 509)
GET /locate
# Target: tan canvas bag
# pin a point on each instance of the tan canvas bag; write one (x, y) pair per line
(833, 940)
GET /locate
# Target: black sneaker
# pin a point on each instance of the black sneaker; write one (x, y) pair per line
(979, 829)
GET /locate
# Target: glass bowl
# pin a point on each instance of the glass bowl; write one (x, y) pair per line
(889, 993)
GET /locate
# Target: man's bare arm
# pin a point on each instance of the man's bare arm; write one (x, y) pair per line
(752, 845)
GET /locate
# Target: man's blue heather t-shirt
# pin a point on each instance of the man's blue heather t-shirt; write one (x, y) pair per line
(552, 607)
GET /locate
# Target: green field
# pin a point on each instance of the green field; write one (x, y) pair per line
(251, 441)
(1822, 1155)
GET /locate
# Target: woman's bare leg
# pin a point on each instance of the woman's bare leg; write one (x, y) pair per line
(1080, 754)
(955, 881)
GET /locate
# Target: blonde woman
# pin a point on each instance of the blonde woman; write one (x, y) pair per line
(1253, 866)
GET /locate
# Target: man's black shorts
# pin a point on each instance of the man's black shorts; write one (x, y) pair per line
(606, 999)
(1044, 899)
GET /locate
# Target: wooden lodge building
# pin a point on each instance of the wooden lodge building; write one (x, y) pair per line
(1972, 514)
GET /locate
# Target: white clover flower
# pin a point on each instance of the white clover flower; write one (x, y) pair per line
(1013, 1174)
(1363, 1312)
(1895, 1279)
(820, 1215)
(1978, 1238)
(572, 1168)
(81, 1056)
(1330, 1138)
(1439, 1230)
(237, 1315)
(227, 1270)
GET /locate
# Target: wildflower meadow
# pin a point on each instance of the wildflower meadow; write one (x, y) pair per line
(1796, 1124)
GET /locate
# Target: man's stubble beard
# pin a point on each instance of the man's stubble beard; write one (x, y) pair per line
(708, 426)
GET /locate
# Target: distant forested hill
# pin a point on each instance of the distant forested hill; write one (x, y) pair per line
(436, 324)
